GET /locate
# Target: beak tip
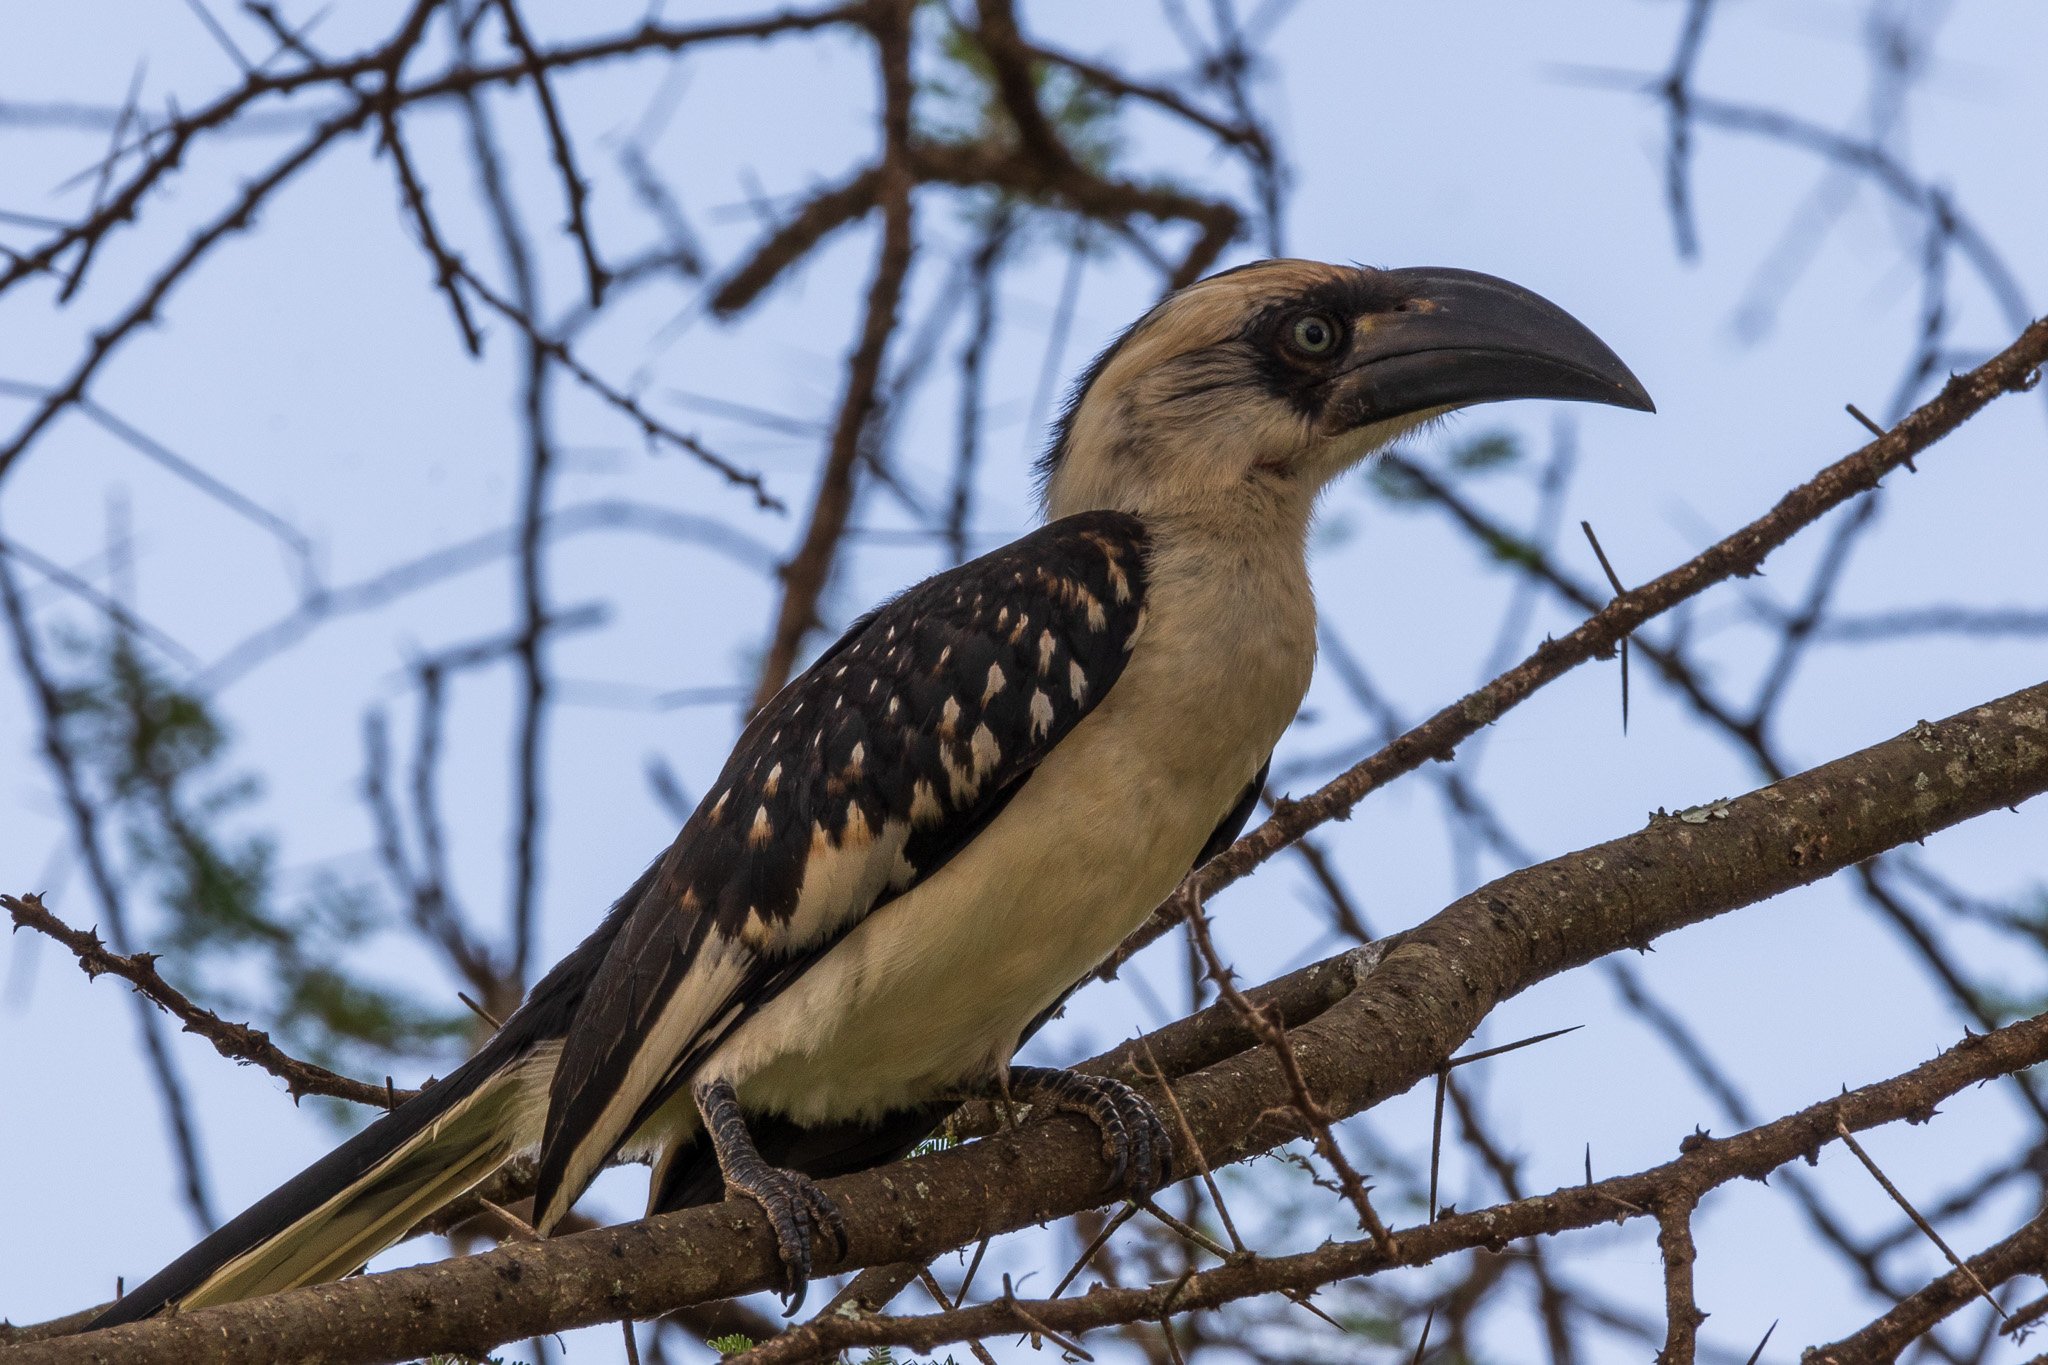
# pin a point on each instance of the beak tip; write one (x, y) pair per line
(1482, 339)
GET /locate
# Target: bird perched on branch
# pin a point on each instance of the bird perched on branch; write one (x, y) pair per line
(921, 844)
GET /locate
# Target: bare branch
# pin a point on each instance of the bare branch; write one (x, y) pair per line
(236, 1042)
(804, 576)
(1705, 1164)
(2023, 1253)
(578, 193)
(1428, 993)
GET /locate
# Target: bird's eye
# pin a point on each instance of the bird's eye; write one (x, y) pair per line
(1313, 334)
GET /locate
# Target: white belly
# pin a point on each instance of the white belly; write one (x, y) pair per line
(932, 991)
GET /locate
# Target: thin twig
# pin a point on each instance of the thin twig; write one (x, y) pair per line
(652, 427)
(578, 193)
(479, 1010)
(1899, 1198)
(938, 1293)
(1613, 580)
(1272, 1031)
(1436, 1136)
(804, 576)
(1194, 1145)
(237, 1042)
(1484, 1053)
(1024, 1315)
(1422, 1342)
(1095, 1244)
(1682, 1315)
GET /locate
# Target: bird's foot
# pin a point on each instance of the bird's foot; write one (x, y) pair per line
(1135, 1142)
(797, 1209)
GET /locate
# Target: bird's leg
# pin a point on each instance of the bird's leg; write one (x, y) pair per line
(796, 1207)
(1135, 1142)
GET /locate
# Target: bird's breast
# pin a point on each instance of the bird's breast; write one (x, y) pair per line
(934, 988)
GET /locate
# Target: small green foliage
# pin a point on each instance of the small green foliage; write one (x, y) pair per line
(731, 1344)
(1489, 450)
(960, 103)
(158, 756)
(1510, 549)
(1396, 484)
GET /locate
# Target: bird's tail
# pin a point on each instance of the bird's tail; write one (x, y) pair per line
(367, 1193)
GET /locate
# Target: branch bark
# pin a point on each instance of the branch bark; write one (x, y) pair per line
(1666, 1193)
(236, 1042)
(1408, 1013)
(2023, 1253)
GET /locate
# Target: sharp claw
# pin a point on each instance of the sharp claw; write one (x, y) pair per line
(797, 1211)
(823, 1214)
(1155, 1146)
(1116, 1145)
(1135, 1143)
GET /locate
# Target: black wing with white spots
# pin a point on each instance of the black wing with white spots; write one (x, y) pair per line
(859, 780)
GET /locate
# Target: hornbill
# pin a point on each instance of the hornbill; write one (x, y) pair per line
(925, 840)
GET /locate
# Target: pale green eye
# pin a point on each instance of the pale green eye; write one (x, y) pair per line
(1314, 334)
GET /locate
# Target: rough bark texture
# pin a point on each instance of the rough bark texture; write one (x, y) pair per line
(1423, 998)
(1703, 1164)
(2023, 1253)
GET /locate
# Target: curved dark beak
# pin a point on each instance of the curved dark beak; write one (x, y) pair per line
(1448, 338)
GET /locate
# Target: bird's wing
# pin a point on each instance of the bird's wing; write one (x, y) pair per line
(860, 779)
(1240, 815)
(823, 1150)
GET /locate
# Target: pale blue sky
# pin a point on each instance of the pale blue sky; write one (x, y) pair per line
(309, 366)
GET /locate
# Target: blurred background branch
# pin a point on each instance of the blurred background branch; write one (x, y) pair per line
(426, 428)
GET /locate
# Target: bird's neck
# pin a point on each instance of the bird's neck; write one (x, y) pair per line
(1230, 622)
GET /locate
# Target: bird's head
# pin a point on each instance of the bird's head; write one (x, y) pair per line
(1267, 381)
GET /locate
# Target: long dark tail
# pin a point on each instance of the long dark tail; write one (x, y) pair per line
(369, 1192)
(364, 1195)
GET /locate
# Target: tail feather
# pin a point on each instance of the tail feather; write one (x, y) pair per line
(363, 1196)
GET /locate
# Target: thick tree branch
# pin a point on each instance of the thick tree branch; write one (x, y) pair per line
(2023, 1253)
(1665, 1192)
(1410, 1012)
